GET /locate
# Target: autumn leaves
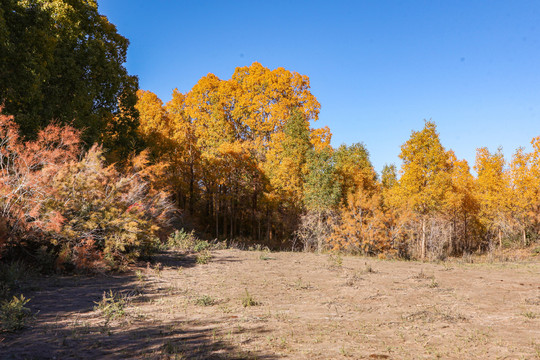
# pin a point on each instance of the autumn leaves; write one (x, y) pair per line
(242, 159)
(233, 161)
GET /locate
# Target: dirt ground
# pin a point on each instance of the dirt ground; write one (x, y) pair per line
(260, 305)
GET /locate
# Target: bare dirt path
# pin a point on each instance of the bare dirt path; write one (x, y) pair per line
(259, 305)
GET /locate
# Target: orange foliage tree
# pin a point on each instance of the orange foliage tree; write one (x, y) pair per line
(246, 118)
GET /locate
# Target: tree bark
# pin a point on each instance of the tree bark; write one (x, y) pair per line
(423, 238)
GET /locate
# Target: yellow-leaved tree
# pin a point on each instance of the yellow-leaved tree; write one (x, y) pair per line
(425, 179)
(461, 208)
(492, 191)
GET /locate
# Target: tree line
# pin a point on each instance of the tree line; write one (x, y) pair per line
(95, 170)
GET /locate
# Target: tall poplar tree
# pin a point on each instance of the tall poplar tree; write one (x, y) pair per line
(425, 176)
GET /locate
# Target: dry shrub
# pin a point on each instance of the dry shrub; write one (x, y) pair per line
(314, 229)
(87, 213)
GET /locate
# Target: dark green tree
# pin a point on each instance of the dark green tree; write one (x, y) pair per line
(60, 60)
(322, 190)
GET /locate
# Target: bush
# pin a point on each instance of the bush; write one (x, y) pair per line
(59, 204)
(13, 314)
(182, 240)
(185, 241)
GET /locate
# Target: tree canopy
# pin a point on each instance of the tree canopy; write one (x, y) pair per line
(61, 61)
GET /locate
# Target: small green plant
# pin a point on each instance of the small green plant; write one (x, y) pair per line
(158, 268)
(204, 257)
(248, 300)
(205, 300)
(529, 315)
(112, 305)
(264, 253)
(434, 284)
(13, 314)
(140, 275)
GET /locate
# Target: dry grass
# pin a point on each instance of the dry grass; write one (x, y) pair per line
(309, 306)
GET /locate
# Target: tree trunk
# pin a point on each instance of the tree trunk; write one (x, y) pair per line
(500, 239)
(465, 233)
(319, 235)
(216, 209)
(423, 238)
(191, 187)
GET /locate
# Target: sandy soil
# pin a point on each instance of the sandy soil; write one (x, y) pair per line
(304, 306)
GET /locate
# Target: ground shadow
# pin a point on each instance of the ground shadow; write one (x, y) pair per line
(180, 340)
(67, 327)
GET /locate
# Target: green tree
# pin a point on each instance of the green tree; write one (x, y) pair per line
(355, 170)
(61, 60)
(322, 188)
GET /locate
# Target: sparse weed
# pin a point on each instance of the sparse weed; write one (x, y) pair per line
(529, 315)
(170, 348)
(112, 305)
(423, 276)
(265, 254)
(368, 269)
(352, 279)
(248, 300)
(205, 300)
(467, 258)
(301, 285)
(158, 268)
(433, 284)
(13, 314)
(335, 261)
(140, 275)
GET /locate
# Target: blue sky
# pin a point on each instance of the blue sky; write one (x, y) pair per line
(378, 68)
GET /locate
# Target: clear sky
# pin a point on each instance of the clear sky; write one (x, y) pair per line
(378, 68)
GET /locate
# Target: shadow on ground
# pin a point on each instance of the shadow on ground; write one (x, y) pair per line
(68, 327)
(81, 341)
